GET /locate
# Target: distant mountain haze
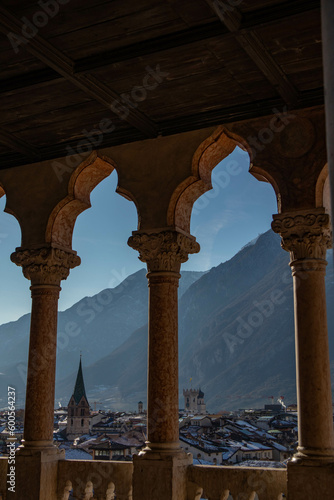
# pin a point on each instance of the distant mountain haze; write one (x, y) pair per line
(236, 335)
(95, 326)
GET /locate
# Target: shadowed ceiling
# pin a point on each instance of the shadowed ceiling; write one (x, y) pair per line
(175, 66)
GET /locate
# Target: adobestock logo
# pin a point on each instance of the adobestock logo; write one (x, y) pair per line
(93, 138)
(265, 135)
(30, 28)
(256, 317)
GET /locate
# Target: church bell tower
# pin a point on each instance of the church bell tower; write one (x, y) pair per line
(78, 414)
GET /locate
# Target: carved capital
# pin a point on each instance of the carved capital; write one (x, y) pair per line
(163, 251)
(45, 266)
(305, 234)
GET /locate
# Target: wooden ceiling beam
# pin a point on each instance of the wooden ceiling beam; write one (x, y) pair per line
(63, 65)
(12, 142)
(252, 45)
(132, 51)
(249, 21)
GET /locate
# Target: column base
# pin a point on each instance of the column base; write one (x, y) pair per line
(47, 447)
(310, 481)
(161, 474)
(161, 449)
(36, 471)
(313, 457)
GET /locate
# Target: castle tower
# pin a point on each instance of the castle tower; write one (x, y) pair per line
(194, 401)
(190, 400)
(78, 414)
(140, 407)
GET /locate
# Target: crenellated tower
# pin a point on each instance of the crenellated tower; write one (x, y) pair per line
(194, 401)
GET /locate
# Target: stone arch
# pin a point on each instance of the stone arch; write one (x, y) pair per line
(3, 193)
(6, 209)
(262, 175)
(210, 152)
(83, 180)
(322, 193)
(130, 197)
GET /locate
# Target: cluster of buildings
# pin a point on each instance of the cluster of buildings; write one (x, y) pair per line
(237, 438)
(97, 435)
(248, 437)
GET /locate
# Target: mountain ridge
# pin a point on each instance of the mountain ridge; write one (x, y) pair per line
(95, 325)
(236, 334)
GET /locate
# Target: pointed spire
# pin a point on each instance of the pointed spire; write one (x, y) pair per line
(79, 389)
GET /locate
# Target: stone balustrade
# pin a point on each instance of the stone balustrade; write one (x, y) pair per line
(237, 483)
(98, 480)
(108, 480)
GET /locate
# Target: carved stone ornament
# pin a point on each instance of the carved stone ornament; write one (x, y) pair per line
(163, 251)
(45, 265)
(305, 234)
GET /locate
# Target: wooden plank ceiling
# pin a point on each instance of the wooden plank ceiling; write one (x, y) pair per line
(219, 64)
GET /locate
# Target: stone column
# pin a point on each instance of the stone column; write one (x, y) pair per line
(45, 268)
(306, 235)
(37, 459)
(163, 399)
(163, 252)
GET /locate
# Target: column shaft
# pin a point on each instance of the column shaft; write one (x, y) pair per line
(164, 251)
(45, 267)
(163, 399)
(306, 235)
(160, 471)
(40, 392)
(315, 421)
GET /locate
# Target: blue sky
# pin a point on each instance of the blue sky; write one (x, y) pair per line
(223, 220)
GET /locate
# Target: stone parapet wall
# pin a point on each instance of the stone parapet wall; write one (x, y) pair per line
(217, 483)
(107, 479)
